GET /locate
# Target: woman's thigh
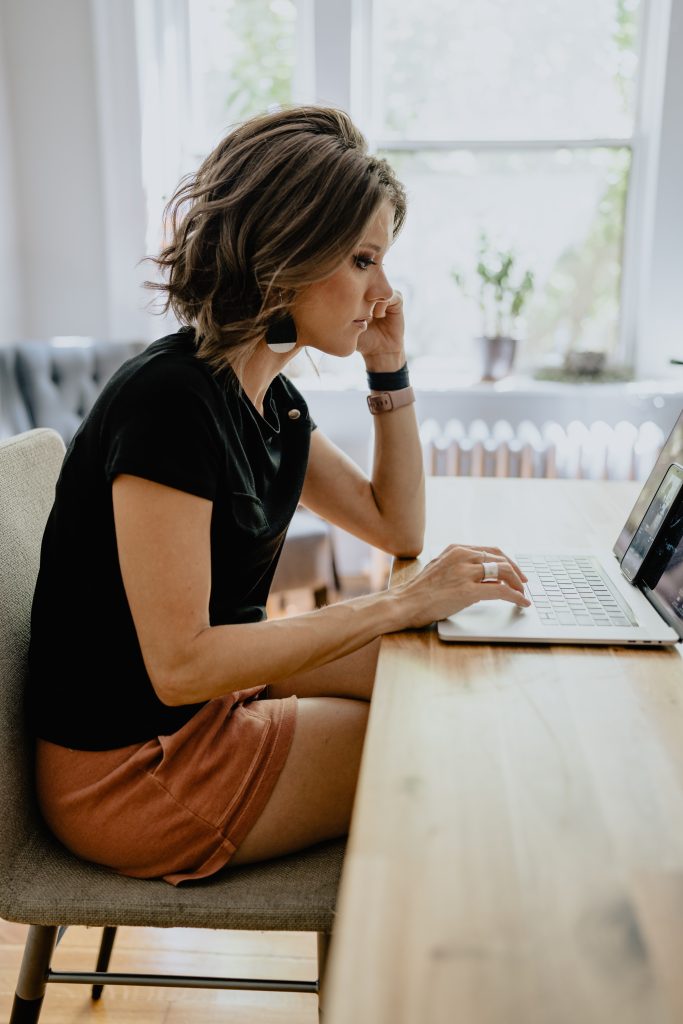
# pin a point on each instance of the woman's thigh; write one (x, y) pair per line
(313, 797)
(352, 676)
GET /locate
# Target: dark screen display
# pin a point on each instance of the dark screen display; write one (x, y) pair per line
(661, 505)
(671, 452)
(663, 573)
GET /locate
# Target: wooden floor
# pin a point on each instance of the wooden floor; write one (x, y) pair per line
(175, 951)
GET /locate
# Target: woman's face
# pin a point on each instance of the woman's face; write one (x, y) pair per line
(331, 315)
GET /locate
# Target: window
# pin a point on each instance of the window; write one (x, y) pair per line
(514, 118)
(517, 118)
(242, 59)
(204, 65)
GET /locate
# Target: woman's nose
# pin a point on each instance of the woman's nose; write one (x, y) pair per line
(380, 290)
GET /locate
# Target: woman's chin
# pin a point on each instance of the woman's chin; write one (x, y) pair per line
(342, 348)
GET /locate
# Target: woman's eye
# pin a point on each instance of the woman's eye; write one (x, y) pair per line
(363, 262)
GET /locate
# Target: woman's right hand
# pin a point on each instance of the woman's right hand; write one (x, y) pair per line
(454, 580)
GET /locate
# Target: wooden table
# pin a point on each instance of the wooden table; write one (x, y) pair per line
(516, 852)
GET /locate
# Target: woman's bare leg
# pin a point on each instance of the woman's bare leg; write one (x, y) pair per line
(351, 676)
(313, 796)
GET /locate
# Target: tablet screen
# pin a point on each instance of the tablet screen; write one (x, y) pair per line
(671, 452)
(663, 575)
(662, 504)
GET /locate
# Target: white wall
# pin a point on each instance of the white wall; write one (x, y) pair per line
(52, 138)
(123, 197)
(10, 278)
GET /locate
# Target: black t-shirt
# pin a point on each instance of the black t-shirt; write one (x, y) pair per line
(167, 417)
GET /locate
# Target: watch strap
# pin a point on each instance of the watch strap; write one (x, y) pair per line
(385, 401)
(395, 380)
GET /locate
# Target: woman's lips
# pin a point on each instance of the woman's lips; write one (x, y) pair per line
(362, 323)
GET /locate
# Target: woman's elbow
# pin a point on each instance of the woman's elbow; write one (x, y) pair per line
(409, 546)
(167, 689)
(171, 682)
(409, 551)
(175, 663)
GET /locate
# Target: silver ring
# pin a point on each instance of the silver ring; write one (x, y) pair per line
(490, 571)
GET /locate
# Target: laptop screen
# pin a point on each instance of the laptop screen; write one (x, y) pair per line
(671, 452)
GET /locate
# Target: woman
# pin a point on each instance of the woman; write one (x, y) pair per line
(178, 730)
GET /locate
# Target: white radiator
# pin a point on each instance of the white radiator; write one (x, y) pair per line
(589, 452)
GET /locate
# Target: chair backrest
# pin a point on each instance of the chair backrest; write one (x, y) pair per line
(14, 416)
(59, 379)
(29, 467)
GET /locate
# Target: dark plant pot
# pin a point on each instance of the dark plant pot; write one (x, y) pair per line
(585, 364)
(496, 356)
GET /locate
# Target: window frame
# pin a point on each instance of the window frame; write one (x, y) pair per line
(647, 228)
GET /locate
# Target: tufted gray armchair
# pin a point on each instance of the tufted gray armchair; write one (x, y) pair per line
(60, 379)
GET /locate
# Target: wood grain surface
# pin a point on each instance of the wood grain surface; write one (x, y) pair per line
(516, 854)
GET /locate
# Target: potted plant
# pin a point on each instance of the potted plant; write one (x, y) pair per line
(502, 294)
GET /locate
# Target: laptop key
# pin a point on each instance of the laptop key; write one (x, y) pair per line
(533, 584)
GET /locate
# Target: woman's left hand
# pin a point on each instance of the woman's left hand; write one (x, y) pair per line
(382, 344)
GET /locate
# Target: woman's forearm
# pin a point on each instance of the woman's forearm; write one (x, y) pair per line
(398, 479)
(397, 467)
(231, 657)
(219, 659)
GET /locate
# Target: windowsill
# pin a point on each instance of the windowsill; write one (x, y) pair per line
(429, 374)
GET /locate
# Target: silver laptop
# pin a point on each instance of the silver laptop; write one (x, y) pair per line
(580, 597)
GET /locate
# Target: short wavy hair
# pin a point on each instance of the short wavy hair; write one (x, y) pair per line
(278, 205)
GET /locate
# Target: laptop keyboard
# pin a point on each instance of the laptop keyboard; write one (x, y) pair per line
(574, 591)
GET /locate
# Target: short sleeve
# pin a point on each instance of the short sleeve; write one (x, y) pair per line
(164, 427)
(293, 395)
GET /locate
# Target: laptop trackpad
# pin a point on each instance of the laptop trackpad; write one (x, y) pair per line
(487, 618)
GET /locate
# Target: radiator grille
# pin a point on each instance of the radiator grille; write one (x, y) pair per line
(579, 451)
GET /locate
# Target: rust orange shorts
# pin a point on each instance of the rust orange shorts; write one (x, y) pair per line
(174, 807)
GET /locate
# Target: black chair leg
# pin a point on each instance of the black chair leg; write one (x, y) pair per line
(323, 950)
(28, 999)
(320, 596)
(104, 955)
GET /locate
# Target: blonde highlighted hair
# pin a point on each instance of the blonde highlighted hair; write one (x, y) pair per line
(279, 204)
